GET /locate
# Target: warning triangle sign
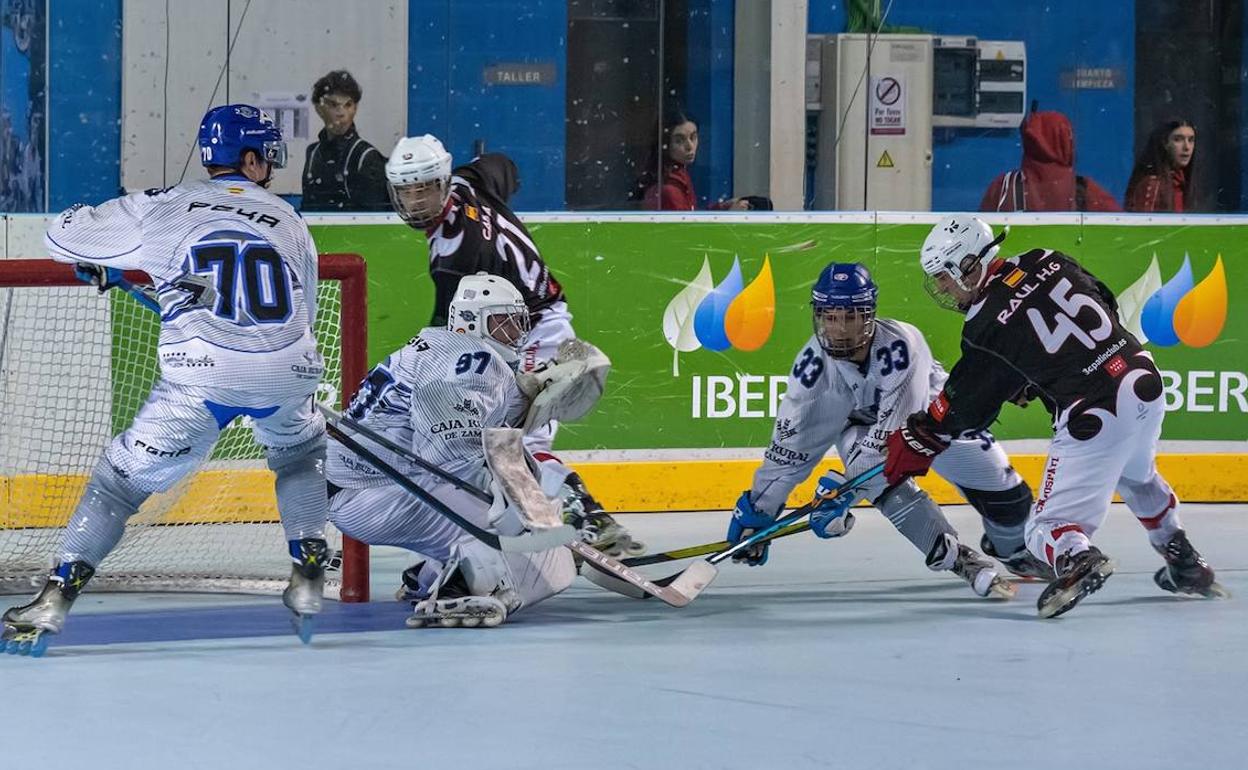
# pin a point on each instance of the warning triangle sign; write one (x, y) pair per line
(886, 161)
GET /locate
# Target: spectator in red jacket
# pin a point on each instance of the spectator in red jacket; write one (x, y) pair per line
(1162, 177)
(675, 192)
(1047, 179)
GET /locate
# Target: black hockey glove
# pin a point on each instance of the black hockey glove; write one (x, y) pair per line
(97, 275)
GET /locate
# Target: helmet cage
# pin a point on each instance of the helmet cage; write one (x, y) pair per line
(508, 324)
(415, 206)
(274, 153)
(847, 315)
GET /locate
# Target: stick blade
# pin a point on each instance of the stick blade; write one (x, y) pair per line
(695, 578)
(610, 582)
(538, 539)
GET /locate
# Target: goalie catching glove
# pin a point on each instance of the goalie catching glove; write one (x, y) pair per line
(566, 388)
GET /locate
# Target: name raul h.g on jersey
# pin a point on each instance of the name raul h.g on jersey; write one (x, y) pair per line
(757, 396)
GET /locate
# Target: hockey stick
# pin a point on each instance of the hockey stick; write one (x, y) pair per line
(535, 540)
(767, 533)
(142, 297)
(607, 572)
(707, 548)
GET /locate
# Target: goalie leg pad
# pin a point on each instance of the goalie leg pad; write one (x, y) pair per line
(514, 482)
(302, 502)
(99, 521)
(517, 579)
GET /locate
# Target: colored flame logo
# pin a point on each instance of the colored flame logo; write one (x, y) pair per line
(721, 316)
(1180, 310)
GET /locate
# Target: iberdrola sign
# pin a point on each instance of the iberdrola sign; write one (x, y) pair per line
(723, 316)
(1177, 311)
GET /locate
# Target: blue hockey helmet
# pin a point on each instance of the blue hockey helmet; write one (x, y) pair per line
(225, 132)
(844, 299)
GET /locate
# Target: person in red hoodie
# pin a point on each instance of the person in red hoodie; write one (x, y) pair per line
(675, 192)
(1162, 177)
(1047, 180)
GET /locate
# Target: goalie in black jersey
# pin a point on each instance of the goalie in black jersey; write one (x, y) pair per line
(1040, 326)
(470, 229)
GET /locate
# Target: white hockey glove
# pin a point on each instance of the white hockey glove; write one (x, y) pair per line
(568, 387)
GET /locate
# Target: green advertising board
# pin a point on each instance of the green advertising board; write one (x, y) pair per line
(700, 369)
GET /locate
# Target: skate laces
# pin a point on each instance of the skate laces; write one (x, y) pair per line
(969, 563)
(1180, 553)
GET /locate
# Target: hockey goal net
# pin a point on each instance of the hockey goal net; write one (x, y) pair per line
(75, 367)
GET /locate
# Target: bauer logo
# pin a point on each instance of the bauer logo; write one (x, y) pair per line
(1180, 310)
(723, 316)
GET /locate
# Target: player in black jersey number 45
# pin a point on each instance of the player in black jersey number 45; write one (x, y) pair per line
(470, 227)
(1039, 326)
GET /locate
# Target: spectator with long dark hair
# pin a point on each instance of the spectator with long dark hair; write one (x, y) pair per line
(1162, 177)
(678, 148)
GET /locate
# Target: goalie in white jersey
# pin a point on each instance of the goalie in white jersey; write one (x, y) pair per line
(855, 381)
(234, 269)
(435, 396)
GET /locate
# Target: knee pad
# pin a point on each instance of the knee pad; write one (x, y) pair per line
(302, 499)
(917, 517)
(1007, 508)
(151, 465)
(906, 502)
(309, 455)
(114, 490)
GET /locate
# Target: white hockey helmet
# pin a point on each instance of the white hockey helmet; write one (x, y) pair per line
(955, 258)
(418, 174)
(489, 307)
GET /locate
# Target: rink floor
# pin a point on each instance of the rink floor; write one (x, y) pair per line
(838, 654)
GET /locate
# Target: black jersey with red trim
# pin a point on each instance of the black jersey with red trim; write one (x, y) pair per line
(479, 232)
(1045, 327)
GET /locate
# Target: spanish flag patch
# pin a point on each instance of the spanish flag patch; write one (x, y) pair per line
(1013, 278)
(234, 190)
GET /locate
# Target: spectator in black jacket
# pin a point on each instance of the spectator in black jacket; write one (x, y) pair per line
(342, 172)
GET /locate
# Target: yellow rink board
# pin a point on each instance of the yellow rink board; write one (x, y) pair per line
(247, 495)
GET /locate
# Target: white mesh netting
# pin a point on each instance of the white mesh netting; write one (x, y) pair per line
(74, 369)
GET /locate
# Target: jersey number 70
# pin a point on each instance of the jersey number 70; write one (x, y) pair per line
(249, 274)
